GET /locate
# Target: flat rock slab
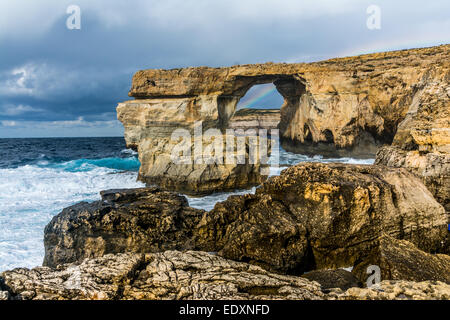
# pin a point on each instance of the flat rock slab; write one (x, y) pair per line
(168, 275)
(187, 275)
(330, 279)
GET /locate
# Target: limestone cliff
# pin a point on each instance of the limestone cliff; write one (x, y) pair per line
(335, 107)
(422, 142)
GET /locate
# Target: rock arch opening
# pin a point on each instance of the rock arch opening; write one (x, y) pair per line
(260, 107)
(289, 87)
(261, 96)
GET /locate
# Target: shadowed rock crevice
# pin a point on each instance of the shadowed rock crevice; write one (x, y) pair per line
(330, 279)
(401, 260)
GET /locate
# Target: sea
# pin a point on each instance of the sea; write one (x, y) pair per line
(41, 176)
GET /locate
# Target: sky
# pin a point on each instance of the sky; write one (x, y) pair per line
(61, 82)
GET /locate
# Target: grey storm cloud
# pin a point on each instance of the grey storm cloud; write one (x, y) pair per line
(52, 76)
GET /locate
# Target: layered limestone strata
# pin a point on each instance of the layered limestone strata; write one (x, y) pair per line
(347, 106)
(322, 216)
(255, 118)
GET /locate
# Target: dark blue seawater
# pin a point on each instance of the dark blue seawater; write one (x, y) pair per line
(57, 152)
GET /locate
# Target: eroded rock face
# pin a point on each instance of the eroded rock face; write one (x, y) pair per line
(149, 128)
(433, 168)
(401, 260)
(320, 216)
(134, 220)
(197, 179)
(347, 106)
(168, 275)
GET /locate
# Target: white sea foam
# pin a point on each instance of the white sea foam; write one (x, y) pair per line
(129, 151)
(31, 195)
(209, 201)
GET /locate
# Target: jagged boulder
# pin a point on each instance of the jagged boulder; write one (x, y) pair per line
(134, 220)
(401, 260)
(320, 216)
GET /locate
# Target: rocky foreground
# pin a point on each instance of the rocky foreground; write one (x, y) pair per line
(290, 240)
(188, 275)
